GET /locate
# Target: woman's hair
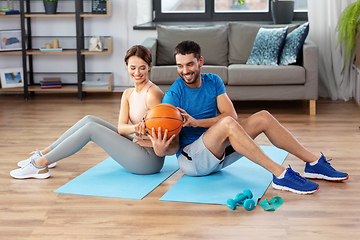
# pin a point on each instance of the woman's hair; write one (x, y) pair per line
(187, 47)
(138, 51)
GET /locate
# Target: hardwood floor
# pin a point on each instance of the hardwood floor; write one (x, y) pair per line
(31, 210)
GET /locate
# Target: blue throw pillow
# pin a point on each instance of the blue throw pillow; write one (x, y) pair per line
(267, 46)
(293, 44)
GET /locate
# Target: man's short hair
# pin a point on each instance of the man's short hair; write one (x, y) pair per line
(187, 47)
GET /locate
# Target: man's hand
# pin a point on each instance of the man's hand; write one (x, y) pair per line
(160, 144)
(189, 121)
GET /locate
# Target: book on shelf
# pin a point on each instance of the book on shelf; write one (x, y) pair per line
(51, 83)
(55, 79)
(51, 86)
(10, 12)
(51, 49)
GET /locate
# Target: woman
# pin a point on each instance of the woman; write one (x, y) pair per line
(127, 144)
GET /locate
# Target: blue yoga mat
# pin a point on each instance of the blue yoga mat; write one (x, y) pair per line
(109, 179)
(218, 187)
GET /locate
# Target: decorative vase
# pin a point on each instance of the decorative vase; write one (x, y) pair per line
(282, 12)
(50, 7)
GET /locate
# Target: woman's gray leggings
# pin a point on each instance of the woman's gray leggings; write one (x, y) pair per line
(134, 158)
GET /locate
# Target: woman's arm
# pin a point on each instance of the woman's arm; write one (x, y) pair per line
(124, 127)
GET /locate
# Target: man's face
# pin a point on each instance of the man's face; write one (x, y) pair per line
(188, 68)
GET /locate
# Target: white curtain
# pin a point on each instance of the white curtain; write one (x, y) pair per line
(144, 11)
(323, 17)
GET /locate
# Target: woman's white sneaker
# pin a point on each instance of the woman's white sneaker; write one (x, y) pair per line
(30, 171)
(35, 155)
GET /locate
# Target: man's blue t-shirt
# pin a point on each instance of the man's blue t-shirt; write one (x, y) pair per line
(200, 103)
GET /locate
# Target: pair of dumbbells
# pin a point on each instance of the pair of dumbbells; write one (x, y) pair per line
(242, 199)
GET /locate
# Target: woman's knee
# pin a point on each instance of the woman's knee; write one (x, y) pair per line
(88, 118)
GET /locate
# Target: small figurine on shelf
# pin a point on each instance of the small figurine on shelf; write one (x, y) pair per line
(95, 44)
(10, 4)
(54, 48)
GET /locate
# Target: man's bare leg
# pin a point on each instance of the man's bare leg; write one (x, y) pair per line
(217, 137)
(264, 122)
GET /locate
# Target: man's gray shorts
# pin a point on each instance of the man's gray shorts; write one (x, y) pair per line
(196, 160)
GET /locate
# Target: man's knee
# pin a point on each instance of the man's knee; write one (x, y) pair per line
(229, 122)
(264, 116)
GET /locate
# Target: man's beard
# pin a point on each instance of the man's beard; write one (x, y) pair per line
(195, 79)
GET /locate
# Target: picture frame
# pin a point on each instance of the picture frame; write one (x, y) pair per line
(10, 40)
(95, 44)
(11, 77)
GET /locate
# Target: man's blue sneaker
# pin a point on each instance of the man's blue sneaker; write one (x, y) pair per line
(323, 170)
(293, 182)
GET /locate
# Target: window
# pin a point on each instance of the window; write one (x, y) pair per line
(220, 10)
(181, 6)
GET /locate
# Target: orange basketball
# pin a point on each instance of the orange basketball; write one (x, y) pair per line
(165, 116)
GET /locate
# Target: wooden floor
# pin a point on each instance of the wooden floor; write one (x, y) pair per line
(31, 210)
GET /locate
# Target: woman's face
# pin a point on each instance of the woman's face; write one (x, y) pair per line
(138, 69)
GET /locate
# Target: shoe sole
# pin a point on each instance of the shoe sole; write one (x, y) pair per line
(323, 177)
(38, 176)
(278, 187)
(52, 165)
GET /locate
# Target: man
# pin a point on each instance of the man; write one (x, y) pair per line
(209, 142)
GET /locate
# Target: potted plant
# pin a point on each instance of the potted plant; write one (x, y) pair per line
(50, 6)
(282, 12)
(347, 29)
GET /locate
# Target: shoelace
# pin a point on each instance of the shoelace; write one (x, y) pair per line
(34, 151)
(326, 162)
(296, 176)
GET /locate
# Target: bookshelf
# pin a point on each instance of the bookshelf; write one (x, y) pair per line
(10, 52)
(79, 51)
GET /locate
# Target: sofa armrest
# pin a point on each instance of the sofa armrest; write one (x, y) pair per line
(151, 44)
(310, 63)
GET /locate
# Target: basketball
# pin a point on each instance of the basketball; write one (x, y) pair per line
(165, 116)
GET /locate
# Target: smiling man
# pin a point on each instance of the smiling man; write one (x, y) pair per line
(210, 141)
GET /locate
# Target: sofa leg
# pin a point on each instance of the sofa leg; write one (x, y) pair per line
(312, 107)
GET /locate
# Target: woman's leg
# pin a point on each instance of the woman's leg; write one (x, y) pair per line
(75, 127)
(130, 155)
(37, 154)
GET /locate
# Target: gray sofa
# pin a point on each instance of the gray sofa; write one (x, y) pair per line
(225, 49)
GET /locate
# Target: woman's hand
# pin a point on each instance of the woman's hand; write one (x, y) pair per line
(160, 144)
(189, 121)
(140, 127)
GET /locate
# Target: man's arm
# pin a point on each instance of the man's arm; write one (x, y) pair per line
(225, 106)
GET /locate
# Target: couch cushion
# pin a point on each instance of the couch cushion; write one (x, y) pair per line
(168, 74)
(267, 46)
(242, 37)
(221, 71)
(243, 74)
(163, 74)
(213, 41)
(293, 44)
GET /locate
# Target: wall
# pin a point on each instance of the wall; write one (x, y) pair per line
(119, 25)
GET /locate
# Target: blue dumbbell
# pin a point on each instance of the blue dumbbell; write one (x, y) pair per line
(243, 199)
